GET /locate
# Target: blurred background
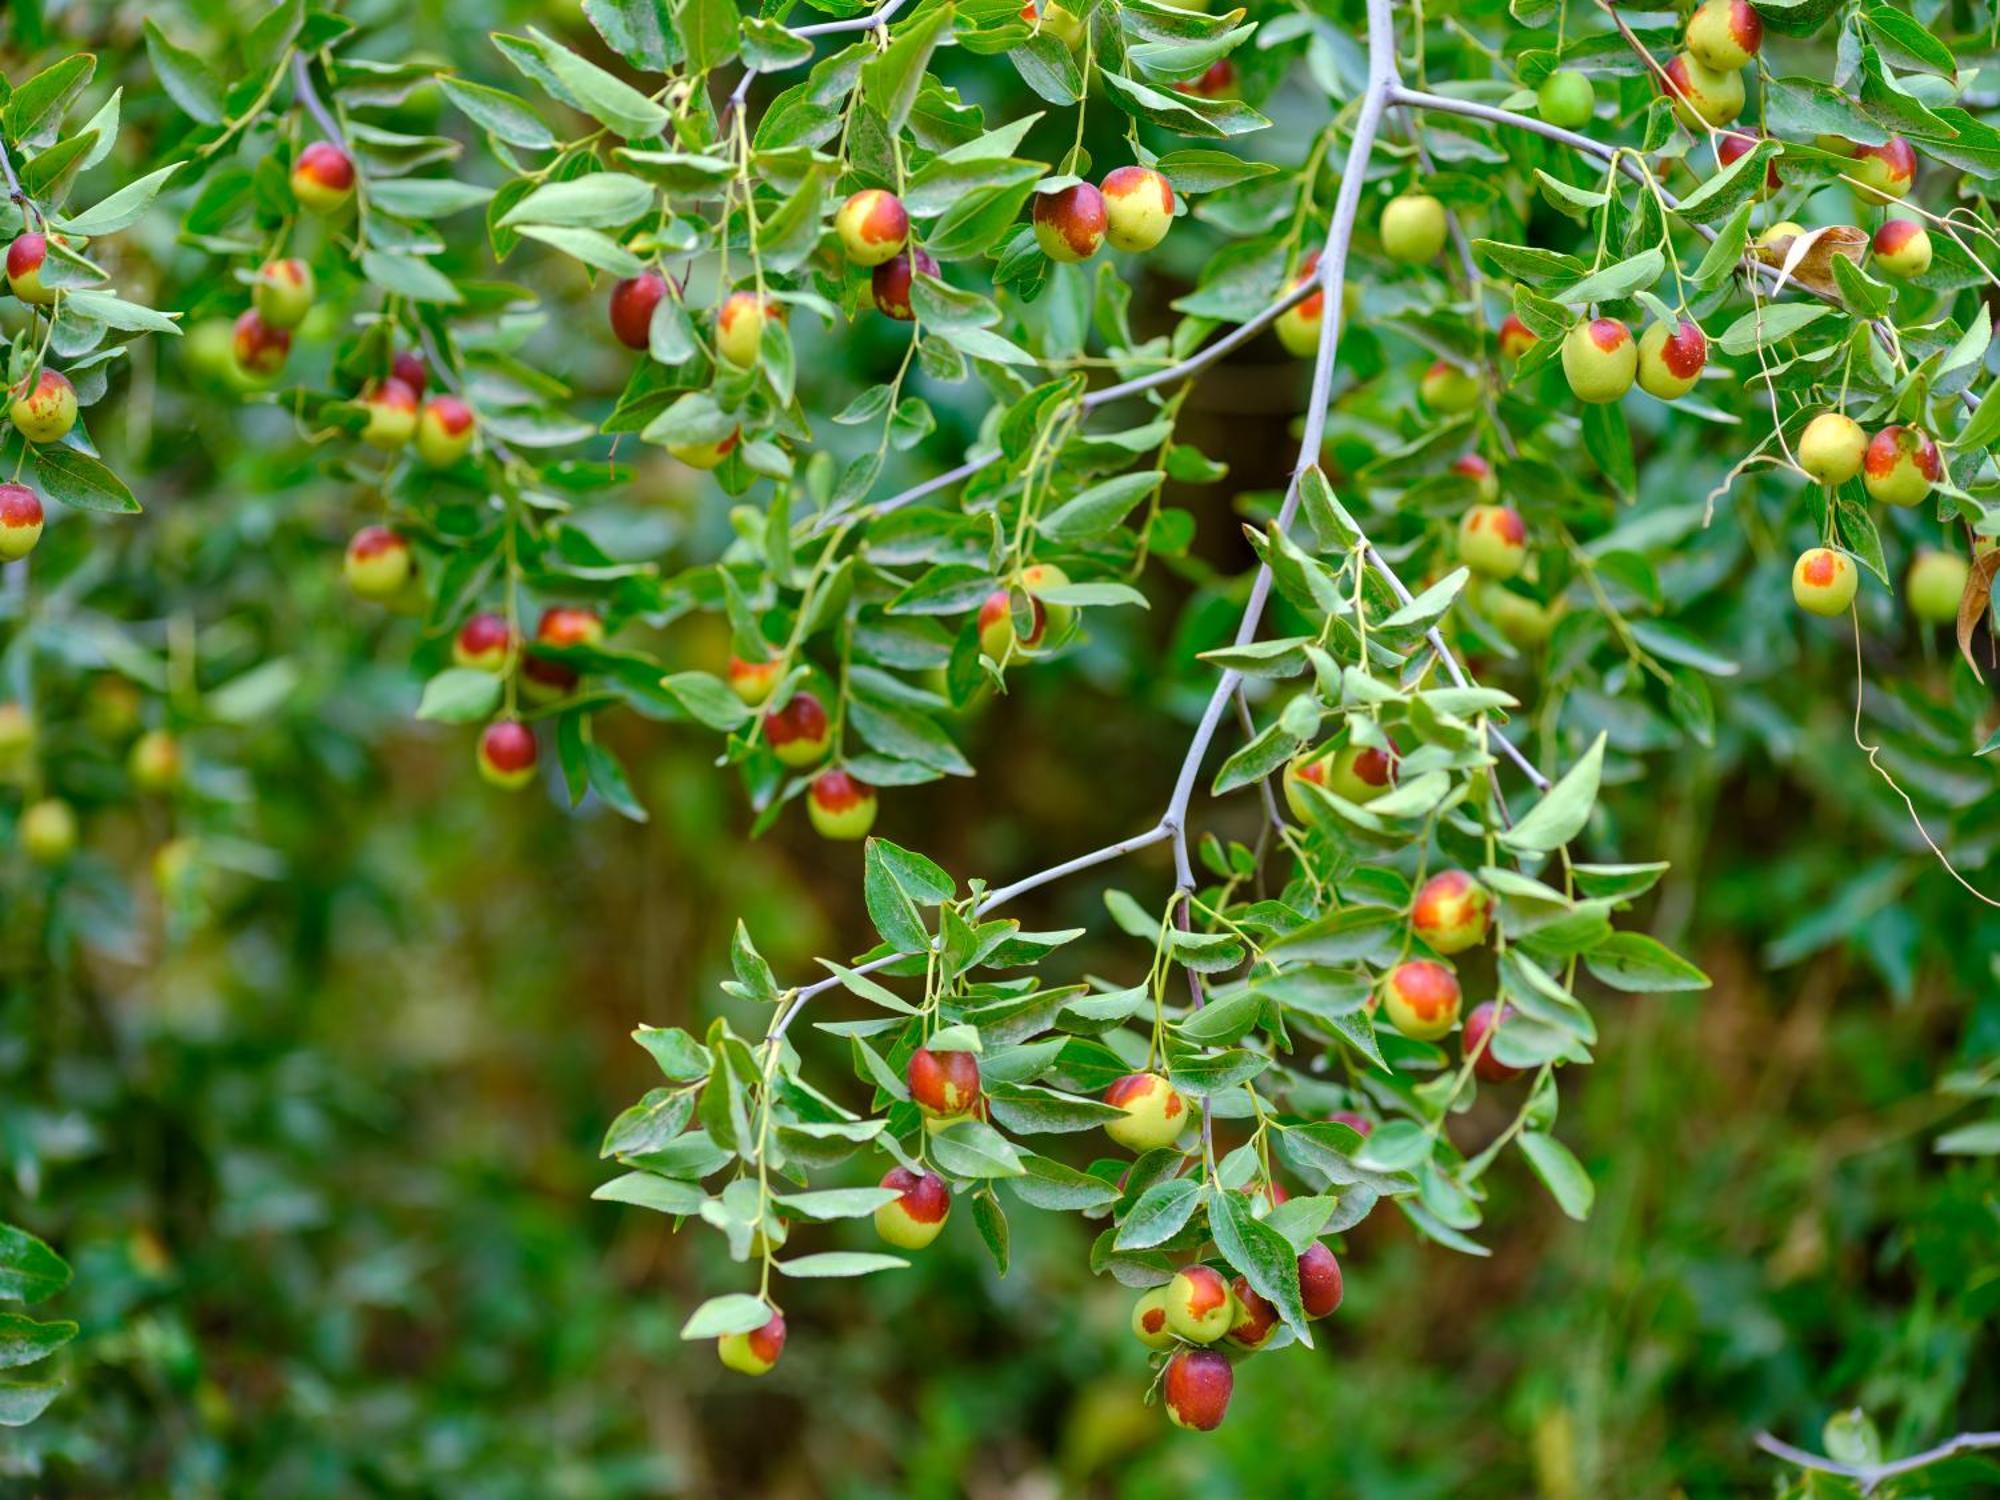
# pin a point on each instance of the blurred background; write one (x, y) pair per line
(318, 1128)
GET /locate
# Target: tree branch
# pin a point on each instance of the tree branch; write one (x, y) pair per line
(303, 90)
(1871, 1475)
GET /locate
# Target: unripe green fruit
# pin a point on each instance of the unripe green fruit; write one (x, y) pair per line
(1824, 581)
(283, 292)
(752, 681)
(154, 762)
(1886, 172)
(1934, 585)
(1599, 360)
(840, 807)
(1671, 359)
(1154, 1112)
(1480, 472)
(1138, 207)
(704, 456)
(175, 868)
(755, 1352)
(1299, 325)
(1452, 912)
(739, 327)
(1832, 447)
(48, 831)
(1493, 541)
(1149, 1320)
(1199, 1307)
(1413, 228)
(46, 410)
(1701, 95)
(1525, 622)
(1566, 98)
(873, 227)
(918, 1216)
(1449, 389)
(1902, 249)
(1900, 466)
(1725, 34)
(1420, 999)
(17, 738)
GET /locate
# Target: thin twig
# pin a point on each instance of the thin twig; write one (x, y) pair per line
(302, 87)
(874, 21)
(1871, 1475)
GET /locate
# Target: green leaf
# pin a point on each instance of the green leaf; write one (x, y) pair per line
(1564, 808)
(29, 1269)
(122, 209)
(610, 101)
(708, 699)
(1634, 962)
(828, 1204)
(23, 1340)
(21, 1404)
(460, 695)
(1161, 1213)
(664, 1195)
(737, 1312)
(972, 1148)
(1561, 1172)
(1100, 509)
(1617, 281)
(602, 200)
(188, 80)
(890, 82)
(78, 480)
(36, 108)
(834, 1263)
(408, 276)
(1264, 1257)
(499, 113)
(1768, 324)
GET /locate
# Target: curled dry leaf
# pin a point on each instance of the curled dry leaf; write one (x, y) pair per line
(1808, 258)
(1972, 604)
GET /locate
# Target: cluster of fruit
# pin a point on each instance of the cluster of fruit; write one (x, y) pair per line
(43, 407)
(155, 765)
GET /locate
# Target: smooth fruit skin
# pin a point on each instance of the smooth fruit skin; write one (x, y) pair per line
(1064, 25)
(1935, 583)
(1566, 98)
(1901, 466)
(561, 625)
(378, 563)
(1149, 1320)
(739, 327)
(25, 258)
(1421, 999)
(409, 367)
(283, 292)
(258, 348)
(1725, 34)
(444, 431)
(1138, 207)
(1319, 1279)
(1361, 1125)
(755, 1352)
(1218, 81)
(1196, 1389)
(799, 734)
(507, 754)
(1299, 325)
(1701, 95)
(1255, 1321)
(17, 738)
(48, 831)
(154, 761)
(840, 807)
(1885, 172)
(1413, 228)
(705, 456)
(1600, 360)
(483, 643)
(873, 226)
(945, 1085)
(1037, 579)
(1824, 581)
(890, 282)
(632, 304)
(1199, 1307)
(1355, 773)
(1832, 447)
(1902, 248)
(1477, 1042)
(752, 681)
(998, 638)
(1516, 338)
(323, 178)
(1735, 144)
(392, 414)
(20, 521)
(47, 411)
(1670, 359)
(1493, 541)
(1480, 472)
(1449, 389)
(1070, 225)
(1452, 912)
(917, 1217)
(1526, 623)
(1154, 1112)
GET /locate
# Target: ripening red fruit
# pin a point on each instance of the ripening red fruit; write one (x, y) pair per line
(1154, 1112)
(1149, 1320)
(739, 326)
(1671, 359)
(507, 754)
(944, 1085)
(483, 643)
(1480, 472)
(444, 431)
(378, 563)
(1824, 581)
(752, 681)
(258, 348)
(155, 762)
(755, 1352)
(392, 414)
(1448, 388)
(1217, 81)
(873, 226)
(889, 284)
(1452, 911)
(917, 1217)
(409, 367)
(1361, 1125)
(632, 304)
(1902, 248)
(1298, 326)
(997, 636)
(323, 178)
(20, 521)
(1480, 1027)
(1255, 1321)
(562, 625)
(1725, 34)
(1600, 360)
(1070, 224)
(1885, 172)
(1493, 541)
(1732, 145)
(1702, 96)
(1138, 207)
(45, 411)
(1901, 465)
(1196, 1389)
(1199, 1307)
(1421, 999)
(283, 292)
(1516, 338)
(25, 258)
(1319, 1280)
(840, 806)
(799, 734)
